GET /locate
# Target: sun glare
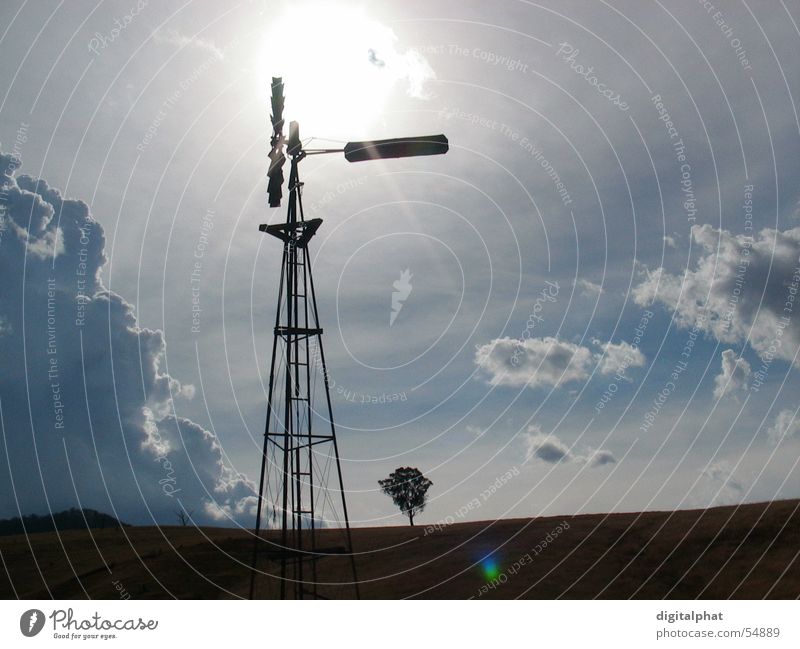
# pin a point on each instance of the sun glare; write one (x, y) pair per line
(338, 67)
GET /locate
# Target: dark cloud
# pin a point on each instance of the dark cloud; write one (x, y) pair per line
(550, 449)
(601, 458)
(88, 411)
(718, 486)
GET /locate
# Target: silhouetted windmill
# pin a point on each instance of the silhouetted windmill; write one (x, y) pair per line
(298, 461)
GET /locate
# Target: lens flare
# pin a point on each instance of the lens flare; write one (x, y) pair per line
(491, 569)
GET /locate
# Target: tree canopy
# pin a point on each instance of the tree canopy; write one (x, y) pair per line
(408, 489)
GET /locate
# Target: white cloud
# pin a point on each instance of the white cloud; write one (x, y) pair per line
(534, 362)
(549, 361)
(477, 431)
(619, 357)
(739, 288)
(412, 67)
(173, 37)
(589, 288)
(670, 241)
(734, 376)
(787, 425)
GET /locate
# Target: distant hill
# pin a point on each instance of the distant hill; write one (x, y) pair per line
(69, 519)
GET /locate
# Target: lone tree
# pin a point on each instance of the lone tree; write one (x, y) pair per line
(184, 517)
(408, 489)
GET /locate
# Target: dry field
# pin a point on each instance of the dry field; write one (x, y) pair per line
(749, 551)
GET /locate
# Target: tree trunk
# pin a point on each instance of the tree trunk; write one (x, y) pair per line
(411, 517)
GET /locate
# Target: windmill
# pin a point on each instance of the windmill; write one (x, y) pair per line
(300, 468)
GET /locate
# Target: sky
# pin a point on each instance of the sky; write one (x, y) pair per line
(587, 305)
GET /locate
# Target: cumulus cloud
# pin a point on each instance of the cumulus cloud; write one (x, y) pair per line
(670, 241)
(734, 376)
(88, 411)
(549, 361)
(787, 425)
(550, 449)
(740, 286)
(534, 362)
(618, 357)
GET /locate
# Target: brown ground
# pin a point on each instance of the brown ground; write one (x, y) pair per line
(750, 551)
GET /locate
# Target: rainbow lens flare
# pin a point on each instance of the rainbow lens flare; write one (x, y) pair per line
(491, 570)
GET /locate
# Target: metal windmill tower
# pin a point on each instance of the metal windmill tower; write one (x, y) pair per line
(301, 473)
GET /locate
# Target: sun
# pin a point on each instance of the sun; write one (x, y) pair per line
(338, 67)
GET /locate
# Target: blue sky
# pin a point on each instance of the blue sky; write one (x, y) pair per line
(600, 267)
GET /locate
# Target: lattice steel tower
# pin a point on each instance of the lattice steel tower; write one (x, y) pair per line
(301, 490)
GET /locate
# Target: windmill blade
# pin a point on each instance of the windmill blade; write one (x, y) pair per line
(400, 147)
(275, 175)
(276, 156)
(277, 104)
